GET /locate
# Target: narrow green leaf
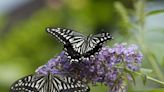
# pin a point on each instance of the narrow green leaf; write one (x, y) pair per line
(131, 75)
(154, 12)
(122, 11)
(144, 79)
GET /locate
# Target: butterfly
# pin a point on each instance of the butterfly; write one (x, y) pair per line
(48, 83)
(78, 46)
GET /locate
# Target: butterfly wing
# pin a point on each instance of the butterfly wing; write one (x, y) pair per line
(96, 42)
(77, 89)
(25, 84)
(74, 42)
(48, 83)
(66, 36)
(33, 83)
(77, 45)
(74, 85)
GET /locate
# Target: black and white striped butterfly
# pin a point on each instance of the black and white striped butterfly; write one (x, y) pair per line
(48, 83)
(78, 46)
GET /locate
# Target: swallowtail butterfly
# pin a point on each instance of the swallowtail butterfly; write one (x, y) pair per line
(78, 46)
(48, 83)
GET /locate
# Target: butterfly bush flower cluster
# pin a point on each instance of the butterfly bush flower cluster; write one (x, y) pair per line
(109, 66)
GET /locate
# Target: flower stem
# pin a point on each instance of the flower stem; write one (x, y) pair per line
(151, 78)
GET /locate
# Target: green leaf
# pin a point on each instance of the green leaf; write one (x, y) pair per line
(154, 12)
(144, 79)
(131, 75)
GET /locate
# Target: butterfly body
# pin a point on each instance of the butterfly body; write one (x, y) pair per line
(48, 83)
(78, 46)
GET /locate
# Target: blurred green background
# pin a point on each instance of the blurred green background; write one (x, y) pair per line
(25, 45)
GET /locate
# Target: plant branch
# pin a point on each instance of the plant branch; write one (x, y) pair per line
(151, 78)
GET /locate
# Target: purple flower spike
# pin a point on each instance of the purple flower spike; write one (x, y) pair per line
(106, 67)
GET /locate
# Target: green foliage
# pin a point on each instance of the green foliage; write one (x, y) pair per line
(99, 88)
(157, 90)
(122, 11)
(141, 35)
